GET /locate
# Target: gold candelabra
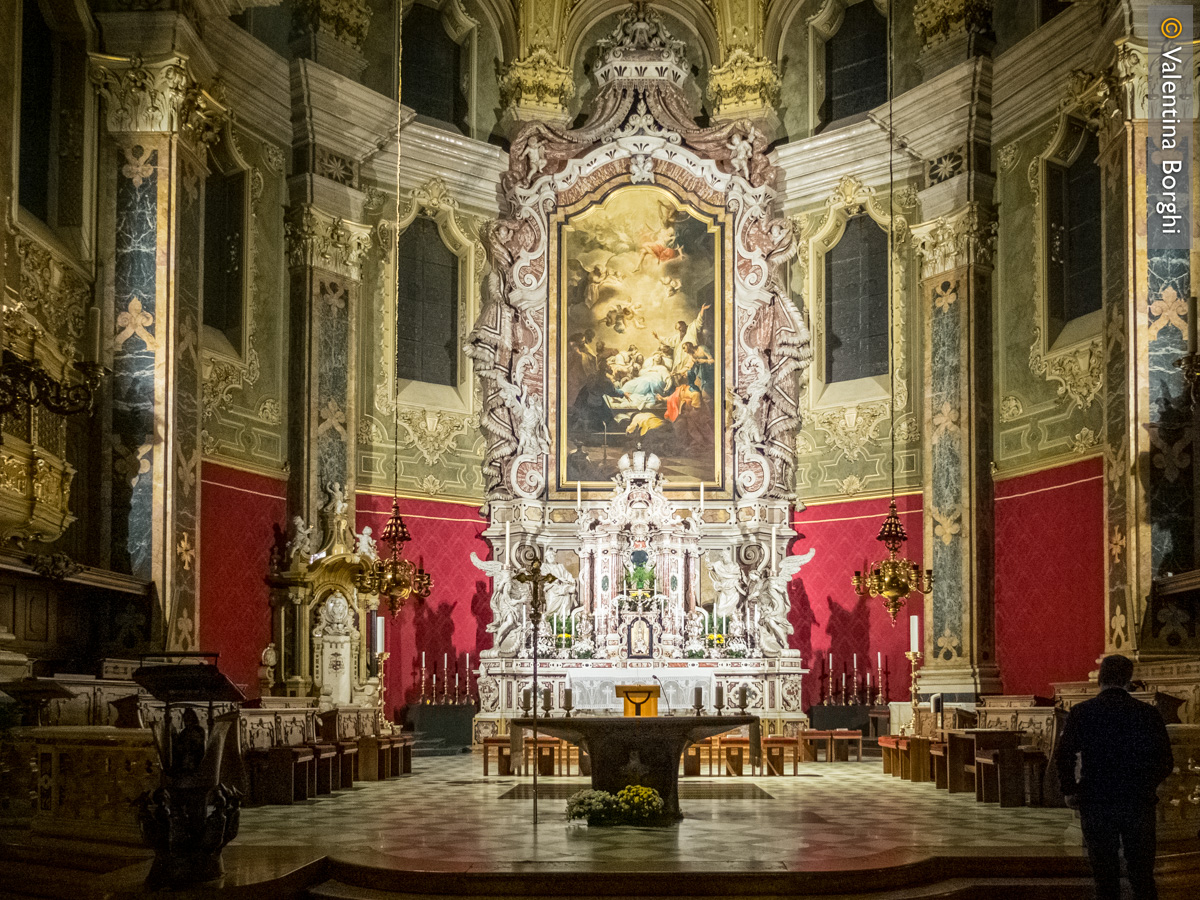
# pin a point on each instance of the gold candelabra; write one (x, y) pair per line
(913, 657)
(894, 578)
(391, 576)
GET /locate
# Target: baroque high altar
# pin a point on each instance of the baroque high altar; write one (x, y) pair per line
(639, 362)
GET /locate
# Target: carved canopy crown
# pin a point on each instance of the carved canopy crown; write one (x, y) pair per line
(641, 49)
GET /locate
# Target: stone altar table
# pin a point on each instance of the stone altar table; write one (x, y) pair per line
(636, 750)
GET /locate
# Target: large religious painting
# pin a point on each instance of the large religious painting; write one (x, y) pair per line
(640, 338)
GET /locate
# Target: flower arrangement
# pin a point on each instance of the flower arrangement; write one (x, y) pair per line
(633, 805)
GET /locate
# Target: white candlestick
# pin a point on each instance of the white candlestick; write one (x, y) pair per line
(856, 662)
(702, 496)
(422, 659)
(446, 662)
(913, 638)
(507, 543)
(579, 495)
(879, 659)
(774, 532)
(468, 665)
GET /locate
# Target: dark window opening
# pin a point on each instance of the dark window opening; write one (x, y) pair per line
(224, 242)
(1073, 238)
(431, 69)
(37, 102)
(855, 64)
(427, 307)
(1048, 9)
(856, 303)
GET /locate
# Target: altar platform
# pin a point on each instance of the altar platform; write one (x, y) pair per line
(840, 829)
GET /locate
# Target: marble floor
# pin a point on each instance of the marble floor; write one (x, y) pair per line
(447, 817)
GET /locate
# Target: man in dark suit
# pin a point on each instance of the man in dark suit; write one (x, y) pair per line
(1124, 753)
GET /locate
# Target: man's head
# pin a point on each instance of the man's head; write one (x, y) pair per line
(1115, 671)
(681, 327)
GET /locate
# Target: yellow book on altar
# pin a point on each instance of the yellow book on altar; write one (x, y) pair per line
(640, 699)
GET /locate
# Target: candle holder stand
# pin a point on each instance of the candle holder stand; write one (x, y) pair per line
(568, 705)
(526, 705)
(698, 709)
(879, 694)
(433, 694)
(913, 658)
(424, 699)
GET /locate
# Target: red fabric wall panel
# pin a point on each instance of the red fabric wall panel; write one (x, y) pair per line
(241, 515)
(454, 620)
(827, 614)
(1050, 548)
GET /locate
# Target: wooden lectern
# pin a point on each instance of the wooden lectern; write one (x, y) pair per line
(640, 699)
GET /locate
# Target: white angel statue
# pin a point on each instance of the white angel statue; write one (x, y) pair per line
(769, 592)
(506, 611)
(727, 577)
(365, 545)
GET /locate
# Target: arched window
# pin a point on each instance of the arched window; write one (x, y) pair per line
(855, 64)
(856, 303)
(1073, 252)
(431, 69)
(37, 103)
(427, 307)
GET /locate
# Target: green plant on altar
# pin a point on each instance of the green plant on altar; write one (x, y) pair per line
(562, 628)
(735, 654)
(694, 654)
(633, 805)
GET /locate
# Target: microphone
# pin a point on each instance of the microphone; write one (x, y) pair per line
(664, 694)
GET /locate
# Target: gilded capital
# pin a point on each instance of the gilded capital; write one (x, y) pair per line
(157, 97)
(743, 83)
(966, 237)
(320, 241)
(536, 86)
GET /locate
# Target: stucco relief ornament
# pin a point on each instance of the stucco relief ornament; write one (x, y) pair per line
(641, 129)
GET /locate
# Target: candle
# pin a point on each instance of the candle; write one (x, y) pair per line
(720, 695)
(1192, 323)
(567, 699)
(526, 696)
(93, 347)
(743, 694)
(831, 661)
(855, 662)
(579, 495)
(547, 700)
(456, 682)
(446, 662)
(879, 659)
(774, 533)
(507, 543)
(422, 659)
(913, 639)
(468, 665)
(702, 496)
(379, 635)
(698, 697)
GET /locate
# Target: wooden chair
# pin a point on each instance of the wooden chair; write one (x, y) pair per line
(846, 737)
(889, 746)
(545, 751)
(776, 748)
(502, 746)
(736, 753)
(327, 774)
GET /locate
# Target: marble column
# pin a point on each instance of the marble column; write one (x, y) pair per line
(959, 622)
(159, 123)
(325, 256)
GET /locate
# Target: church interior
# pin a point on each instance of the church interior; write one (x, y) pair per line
(426, 420)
